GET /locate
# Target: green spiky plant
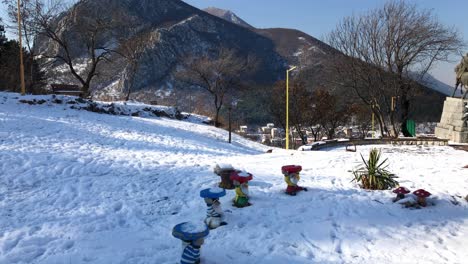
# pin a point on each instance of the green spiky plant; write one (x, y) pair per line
(373, 174)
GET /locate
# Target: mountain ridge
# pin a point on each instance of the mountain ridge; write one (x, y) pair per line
(227, 15)
(179, 30)
(285, 48)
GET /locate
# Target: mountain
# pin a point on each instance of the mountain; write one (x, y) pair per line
(176, 31)
(436, 85)
(291, 44)
(228, 16)
(294, 46)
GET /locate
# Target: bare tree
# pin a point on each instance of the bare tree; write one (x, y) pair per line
(219, 75)
(79, 27)
(398, 39)
(301, 109)
(298, 106)
(331, 111)
(362, 119)
(371, 85)
(132, 50)
(276, 104)
(315, 111)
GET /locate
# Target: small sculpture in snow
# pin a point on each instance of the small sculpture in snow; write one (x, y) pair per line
(400, 192)
(422, 195)
(214, 213)
(192, 236)
(241, 182)
(291, 177)
(224, 171)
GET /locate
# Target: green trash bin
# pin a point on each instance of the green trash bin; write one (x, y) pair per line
(411, 127)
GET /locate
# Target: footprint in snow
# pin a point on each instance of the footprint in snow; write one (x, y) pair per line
(68, 245)
(34, 230)
(118, 206)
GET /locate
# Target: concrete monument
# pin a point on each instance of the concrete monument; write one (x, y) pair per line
(454, 121)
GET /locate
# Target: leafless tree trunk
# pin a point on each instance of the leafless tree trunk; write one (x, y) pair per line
(75, 26)
(219, 75)
(398, 39)
(132, 50)
(300, 106)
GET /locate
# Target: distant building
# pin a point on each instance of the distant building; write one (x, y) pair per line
(266, 130)
(243, 129)
(275, 133)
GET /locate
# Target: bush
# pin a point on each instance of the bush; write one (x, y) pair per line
(374, 175)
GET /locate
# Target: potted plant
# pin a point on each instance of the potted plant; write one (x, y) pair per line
(373, 174)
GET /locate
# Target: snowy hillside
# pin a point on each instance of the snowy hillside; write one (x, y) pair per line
(83, 187)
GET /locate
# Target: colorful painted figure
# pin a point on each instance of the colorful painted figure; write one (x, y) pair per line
(291, 177)
(192, 236)
(214, 212)
(224, 172)
(241, 182)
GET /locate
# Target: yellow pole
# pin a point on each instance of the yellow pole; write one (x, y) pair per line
(373, 130)
(23, 89)
(287, 109)
(287, 106)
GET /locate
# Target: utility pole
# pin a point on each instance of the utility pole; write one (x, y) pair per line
(20, 40)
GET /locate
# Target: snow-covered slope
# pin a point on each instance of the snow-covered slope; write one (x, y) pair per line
(82, 187)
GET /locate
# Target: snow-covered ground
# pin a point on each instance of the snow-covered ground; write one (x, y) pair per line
(81, 187)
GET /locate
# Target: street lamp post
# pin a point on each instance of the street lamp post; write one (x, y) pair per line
(23, 90)
(287, 105)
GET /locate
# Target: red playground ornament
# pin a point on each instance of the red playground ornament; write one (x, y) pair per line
(241, 182)
(291, 177)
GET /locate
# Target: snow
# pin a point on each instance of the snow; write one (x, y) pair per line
(225, 166)
(216, 190)
(193, 228)
(298, 53)
(82, 187)
(310, 146)
(80, 65)
(243, 174)
(408, 199)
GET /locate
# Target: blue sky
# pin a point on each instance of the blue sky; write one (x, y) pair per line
(317, 17)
